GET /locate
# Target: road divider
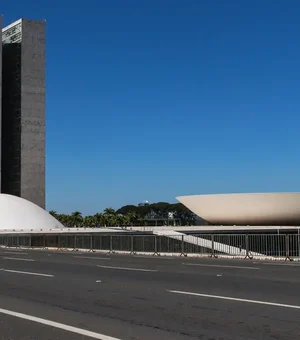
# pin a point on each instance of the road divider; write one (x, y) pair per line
(127, 268)
(235, 299)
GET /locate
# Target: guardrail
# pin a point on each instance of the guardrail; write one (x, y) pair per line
(259, 246)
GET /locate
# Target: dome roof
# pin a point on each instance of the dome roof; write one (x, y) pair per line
(18, 213)
(271, 209)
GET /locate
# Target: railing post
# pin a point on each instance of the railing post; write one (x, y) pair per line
(131, 245)
(91, 242)
(143, 238)
(75, 242)
(213, 246)
(155, 245)
(287, 248)
(110, 244)
(182, 246)
(248, 255)
(100, 241)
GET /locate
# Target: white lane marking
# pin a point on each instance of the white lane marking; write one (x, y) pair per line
(219, 266)
(58, 325)
(92, 257)
(282, 264)
(219, 274)
(15, 253)
(127, 268)
(26, 273)
(13, 249)
(98, 281)
(18, 259)
(153, 257)
(69, 252)
(236, 299)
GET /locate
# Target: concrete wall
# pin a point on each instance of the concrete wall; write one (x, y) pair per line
(33, 112)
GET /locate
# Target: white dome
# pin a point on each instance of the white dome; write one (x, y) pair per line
(18, 213)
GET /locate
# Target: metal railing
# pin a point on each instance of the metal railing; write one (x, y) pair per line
(268, 246)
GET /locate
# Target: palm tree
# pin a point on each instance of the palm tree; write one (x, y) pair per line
(77, 219)
(89, 221)
(53, 213)
(109, 217)
(109, 211)
(133, 218)
(98, 219)
(124, 220)
(66, 220)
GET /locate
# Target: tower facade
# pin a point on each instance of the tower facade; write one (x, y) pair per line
(23, 110)
(0, 99)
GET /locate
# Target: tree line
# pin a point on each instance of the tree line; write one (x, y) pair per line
(161, 213)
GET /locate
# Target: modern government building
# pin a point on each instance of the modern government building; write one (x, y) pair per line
(22, 152)
(22, 110)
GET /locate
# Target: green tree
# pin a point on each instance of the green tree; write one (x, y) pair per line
(99, 221)
(64, 219)
(125, 220)
(89, 221)
(127, 209)
(129, 215)
(109, 217)
(133, 218)
(77, 219)
(53, 213)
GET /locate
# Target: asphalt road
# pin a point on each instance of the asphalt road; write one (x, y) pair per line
(44, 294)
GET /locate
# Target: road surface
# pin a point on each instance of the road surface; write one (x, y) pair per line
(73, 295)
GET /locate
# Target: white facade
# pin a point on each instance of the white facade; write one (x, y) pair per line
(17, 213)
(272, 209)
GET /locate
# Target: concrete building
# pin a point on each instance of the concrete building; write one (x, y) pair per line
(0, 99)
(23, 110)
(254, 209)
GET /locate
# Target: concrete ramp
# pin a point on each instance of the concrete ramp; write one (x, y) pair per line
(202, 242)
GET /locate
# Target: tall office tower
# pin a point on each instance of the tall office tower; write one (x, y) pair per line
(0, 95)
(23, 110)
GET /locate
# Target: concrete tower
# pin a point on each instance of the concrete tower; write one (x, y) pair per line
(23, 110)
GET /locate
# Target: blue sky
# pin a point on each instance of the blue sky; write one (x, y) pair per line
(151, 99)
